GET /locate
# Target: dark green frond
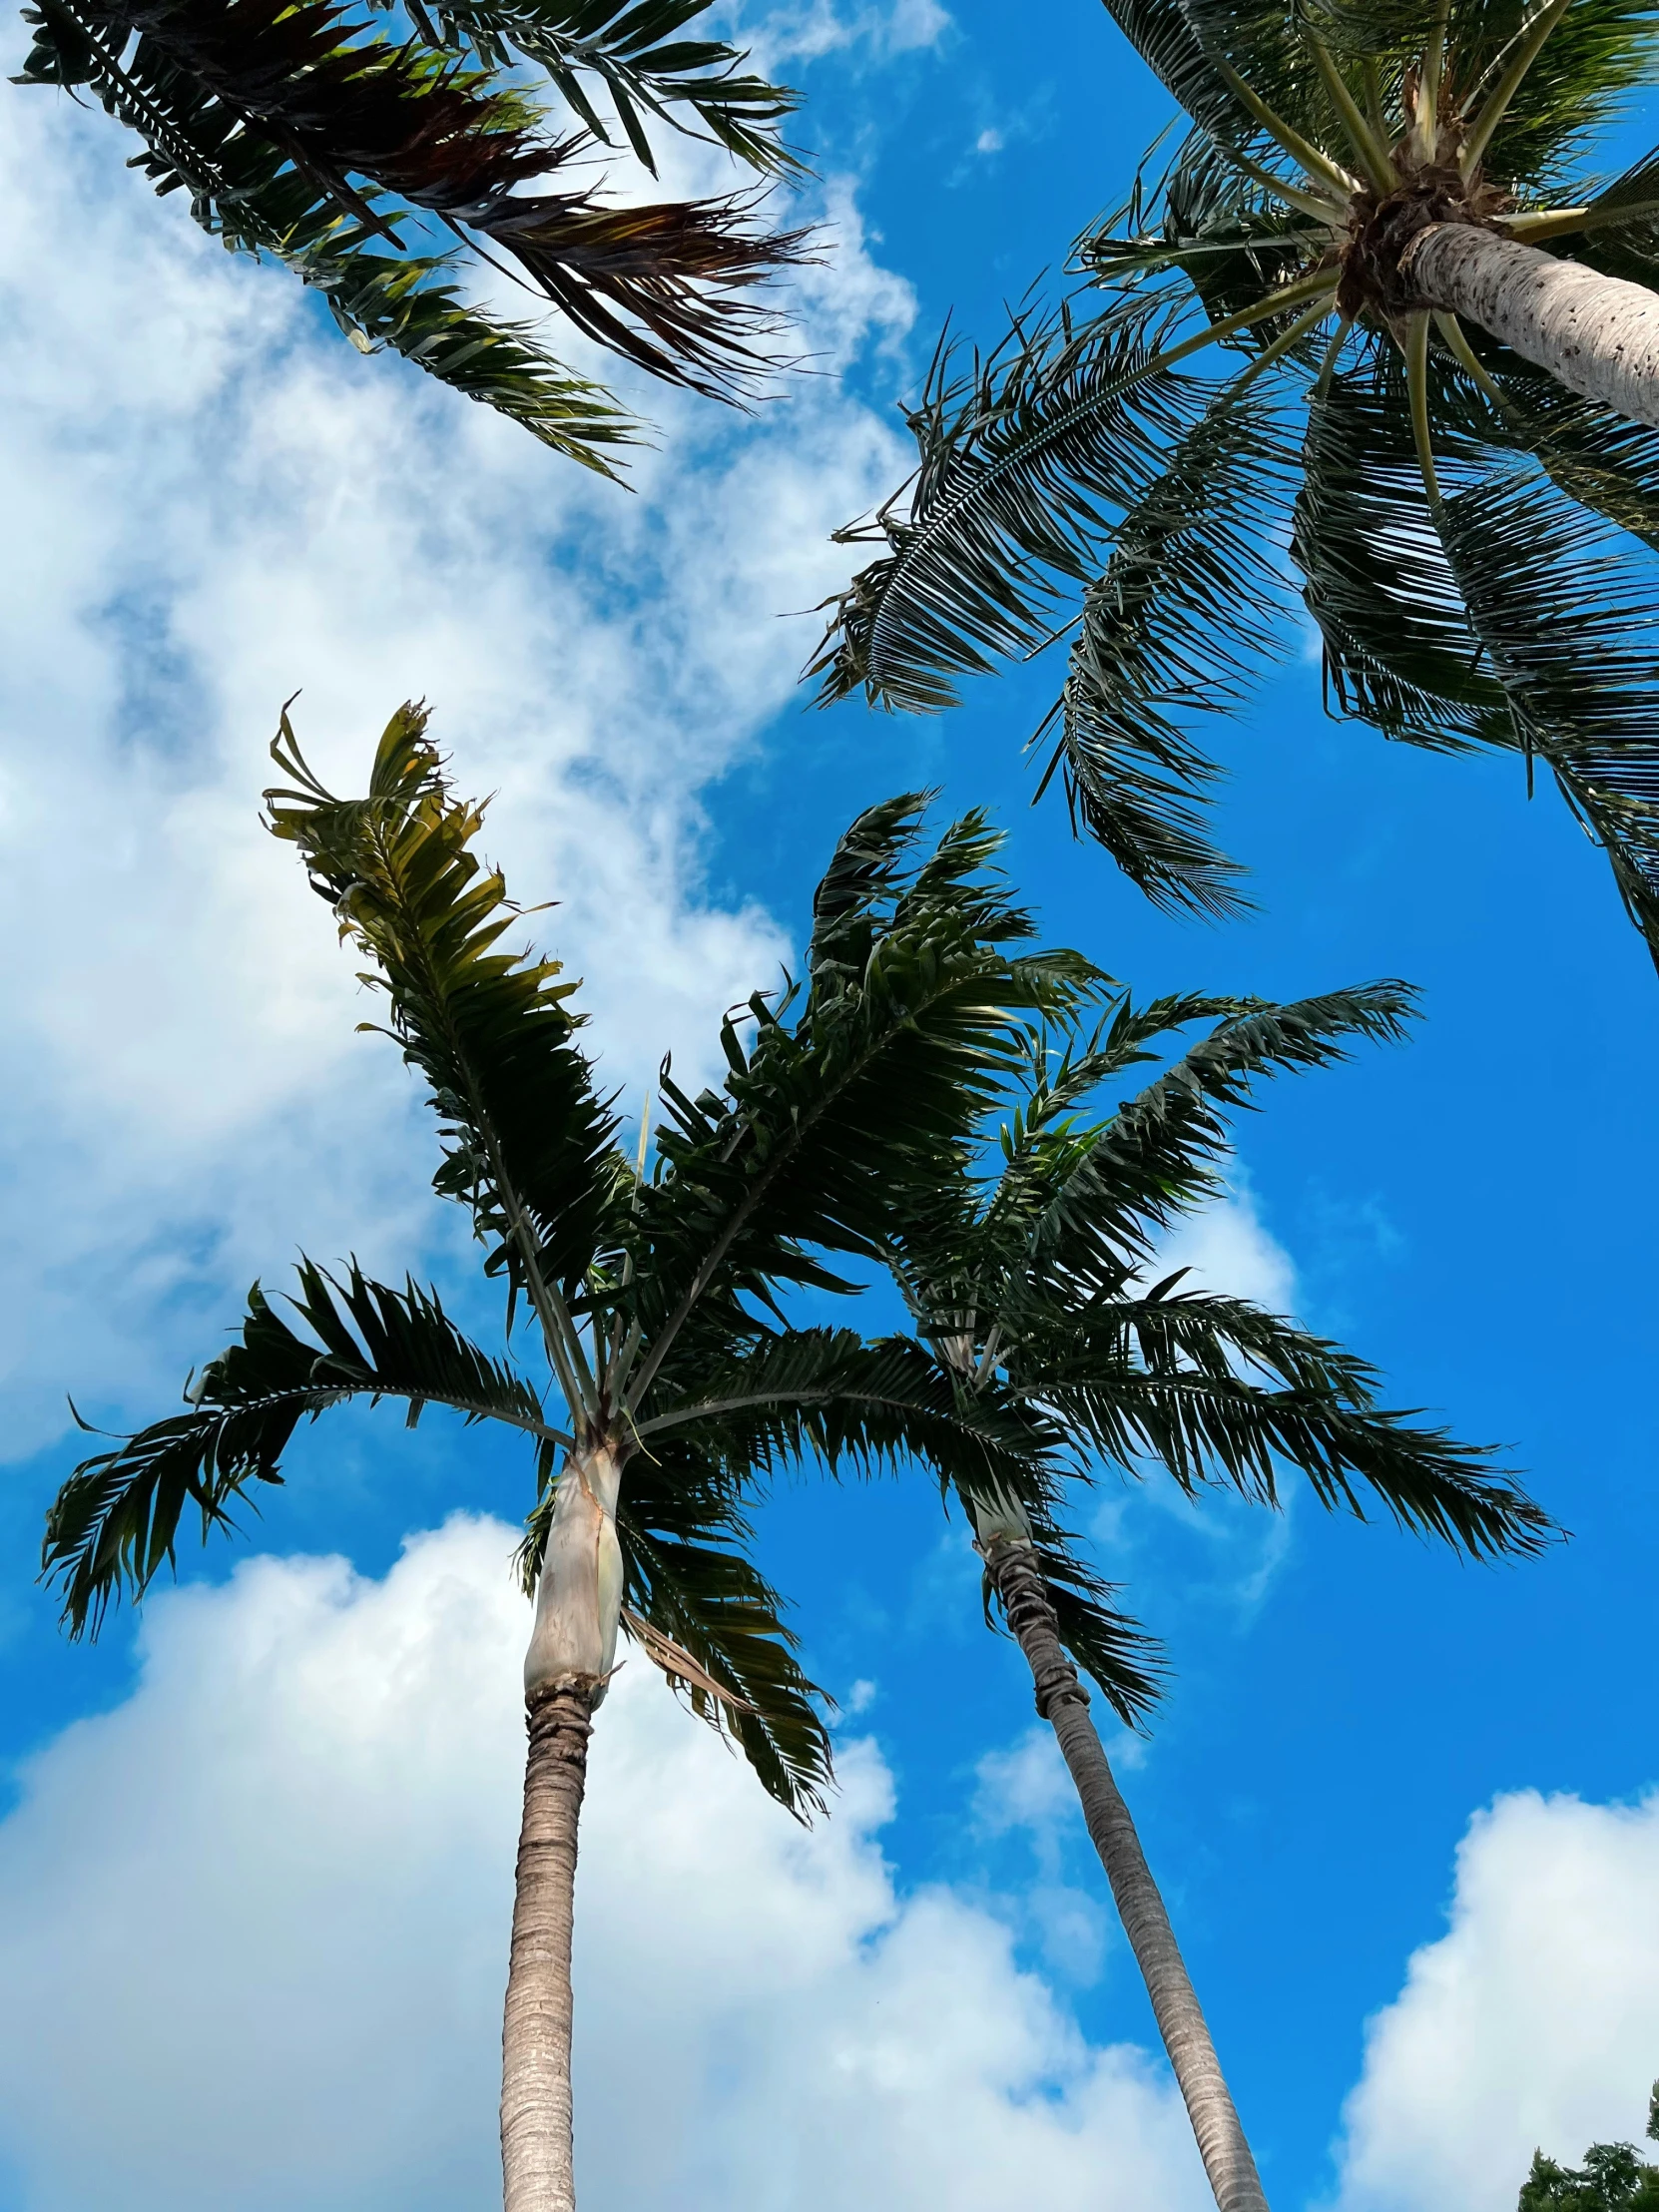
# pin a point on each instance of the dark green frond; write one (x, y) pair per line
(1565, 610)
(827, 1394)
(115, 1522)
(1175, 626)
(1399, 652)
(1214, 1389)
(528, 1145)
(1157, 1156)
(875, 1087)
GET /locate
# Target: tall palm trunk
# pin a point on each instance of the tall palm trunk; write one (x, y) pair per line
(1064, 1704)
(536, 2133)
(1596, 335)
(572, 1647)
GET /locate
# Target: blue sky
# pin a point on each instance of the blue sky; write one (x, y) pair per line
(216, 504)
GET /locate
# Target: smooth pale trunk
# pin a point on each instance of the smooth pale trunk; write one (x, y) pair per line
(1064, 1704)
(572, 1650)
(1597, 335)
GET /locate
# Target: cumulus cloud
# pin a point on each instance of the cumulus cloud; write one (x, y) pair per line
(211, 504)
(1533, 2023)
(1228, 1248)
(263, 1907)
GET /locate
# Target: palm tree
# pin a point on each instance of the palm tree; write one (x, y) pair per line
(366, 161)
(1036, 1284)
(677, 1382)
(1439, 414)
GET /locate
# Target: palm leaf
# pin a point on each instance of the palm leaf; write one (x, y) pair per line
(1565, 614)
(115, 1522)
(637, 52)
(1025, 462)
(1170, 629)
(875, 1085)
(1175, 1378)
(528, 1145)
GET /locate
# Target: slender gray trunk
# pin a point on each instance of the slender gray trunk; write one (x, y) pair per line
(536, 2135)
(1598, 335)
(1064, 1704)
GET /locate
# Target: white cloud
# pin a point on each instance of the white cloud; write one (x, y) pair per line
(1228, 1248)
(211, 502)
(817, 27)
(1533, 2023)
(263, 1907)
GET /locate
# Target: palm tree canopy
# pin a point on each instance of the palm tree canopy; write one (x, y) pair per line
(1471, 538)
(309, 132)
(657, 1297)
(1036, 1281)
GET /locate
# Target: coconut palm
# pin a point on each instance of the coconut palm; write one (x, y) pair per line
(675, 1383)
(1038, 1284)
(370, 161)
(1374, 325)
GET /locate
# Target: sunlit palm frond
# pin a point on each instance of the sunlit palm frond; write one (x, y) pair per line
(529, 1145)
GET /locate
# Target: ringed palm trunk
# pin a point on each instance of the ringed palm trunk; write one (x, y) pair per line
(572, 1649)
(1598, 335)
(1064, 1704)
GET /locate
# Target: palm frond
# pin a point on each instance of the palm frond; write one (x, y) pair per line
(297, 136)
(1565, 610)
(827, 1394)
(115, 1522)
(1025, 462)
(1214, 1389)
(1173, 627)
(1400, 651)
(1157, 1155)
(875, 1085)
(528, 1145)
(636, 54)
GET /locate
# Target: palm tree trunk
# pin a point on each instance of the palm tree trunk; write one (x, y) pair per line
(536, 2136)
(1598, 335)
(1064, 1704)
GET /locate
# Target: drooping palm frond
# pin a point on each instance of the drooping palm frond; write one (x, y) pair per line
(301, 132)
(116, 1520)
(1172, 627)
(1214, 1390)
(528, 1144)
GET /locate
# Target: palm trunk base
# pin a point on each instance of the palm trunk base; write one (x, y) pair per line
(536, 2135)
(1063, 1702)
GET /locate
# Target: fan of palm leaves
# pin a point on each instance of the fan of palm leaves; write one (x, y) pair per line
(1244, 400)
(368, 159)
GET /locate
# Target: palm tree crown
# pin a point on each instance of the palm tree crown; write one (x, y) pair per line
(1466, 517)
(655, 1296)
(1038, 1284)
(305, 131)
